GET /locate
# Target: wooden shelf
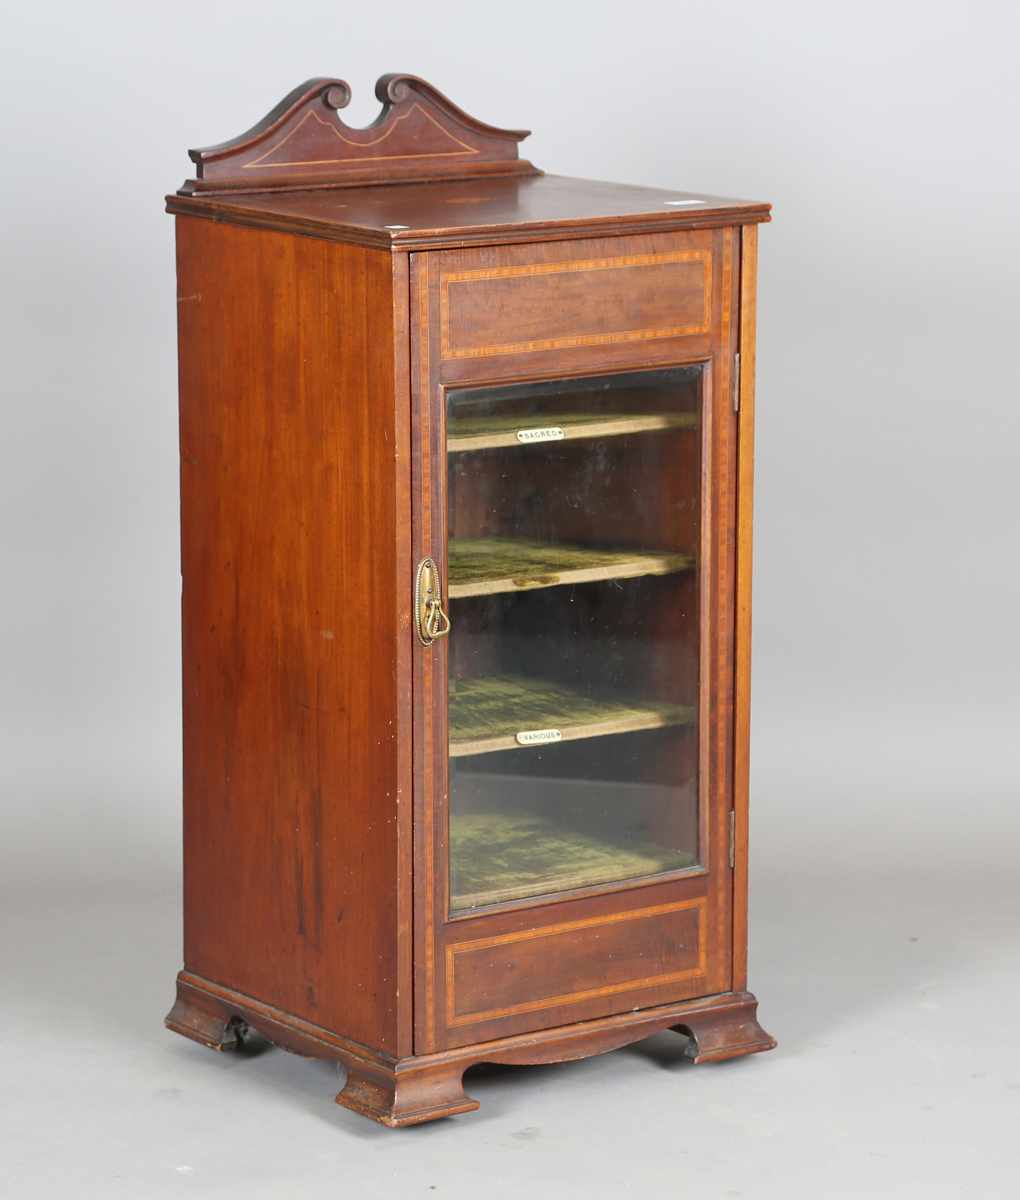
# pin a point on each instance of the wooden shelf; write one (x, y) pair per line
(489, 433)
(489, 711)
(484, 566)
(496, 857)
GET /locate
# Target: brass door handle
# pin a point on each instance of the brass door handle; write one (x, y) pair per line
(428, 604)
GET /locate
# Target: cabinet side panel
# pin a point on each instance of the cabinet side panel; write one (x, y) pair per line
(293, 660)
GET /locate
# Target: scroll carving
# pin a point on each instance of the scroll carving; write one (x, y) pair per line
(303, 143)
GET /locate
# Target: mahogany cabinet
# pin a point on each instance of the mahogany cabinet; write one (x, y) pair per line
(466, 504)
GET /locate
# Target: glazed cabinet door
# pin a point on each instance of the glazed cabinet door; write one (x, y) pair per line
(574, 501)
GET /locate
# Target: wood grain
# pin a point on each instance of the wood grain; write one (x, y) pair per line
(552, 305)
(302, 142)
(406, 1091)
(742, 648)
(608, 316)
(320, 330)
(403, 722)
(431, 787)
(483, 212)
(717, 614)
(521, 972)
(717, 436)
(295, 655)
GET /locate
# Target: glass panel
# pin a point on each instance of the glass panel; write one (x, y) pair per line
(574, 518)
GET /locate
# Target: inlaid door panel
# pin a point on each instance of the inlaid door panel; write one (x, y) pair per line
(513, 310)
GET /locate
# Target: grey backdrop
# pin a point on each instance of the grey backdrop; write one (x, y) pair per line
(885, 781)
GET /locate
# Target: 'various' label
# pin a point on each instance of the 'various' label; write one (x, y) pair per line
(538, 737)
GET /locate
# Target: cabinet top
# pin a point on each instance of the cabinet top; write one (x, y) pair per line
(472, 211)
(424, 174)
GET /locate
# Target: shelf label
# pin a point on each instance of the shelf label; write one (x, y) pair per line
(538, 737)
(552, 434)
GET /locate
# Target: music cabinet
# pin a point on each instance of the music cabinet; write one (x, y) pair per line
(466, 507)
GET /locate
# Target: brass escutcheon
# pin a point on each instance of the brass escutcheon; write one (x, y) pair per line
(428, 604)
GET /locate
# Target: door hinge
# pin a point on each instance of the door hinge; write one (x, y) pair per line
(733, 838)
(736, 383)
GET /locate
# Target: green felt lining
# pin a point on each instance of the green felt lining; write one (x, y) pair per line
(525, 560)
(492, 705)
(495, 857)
